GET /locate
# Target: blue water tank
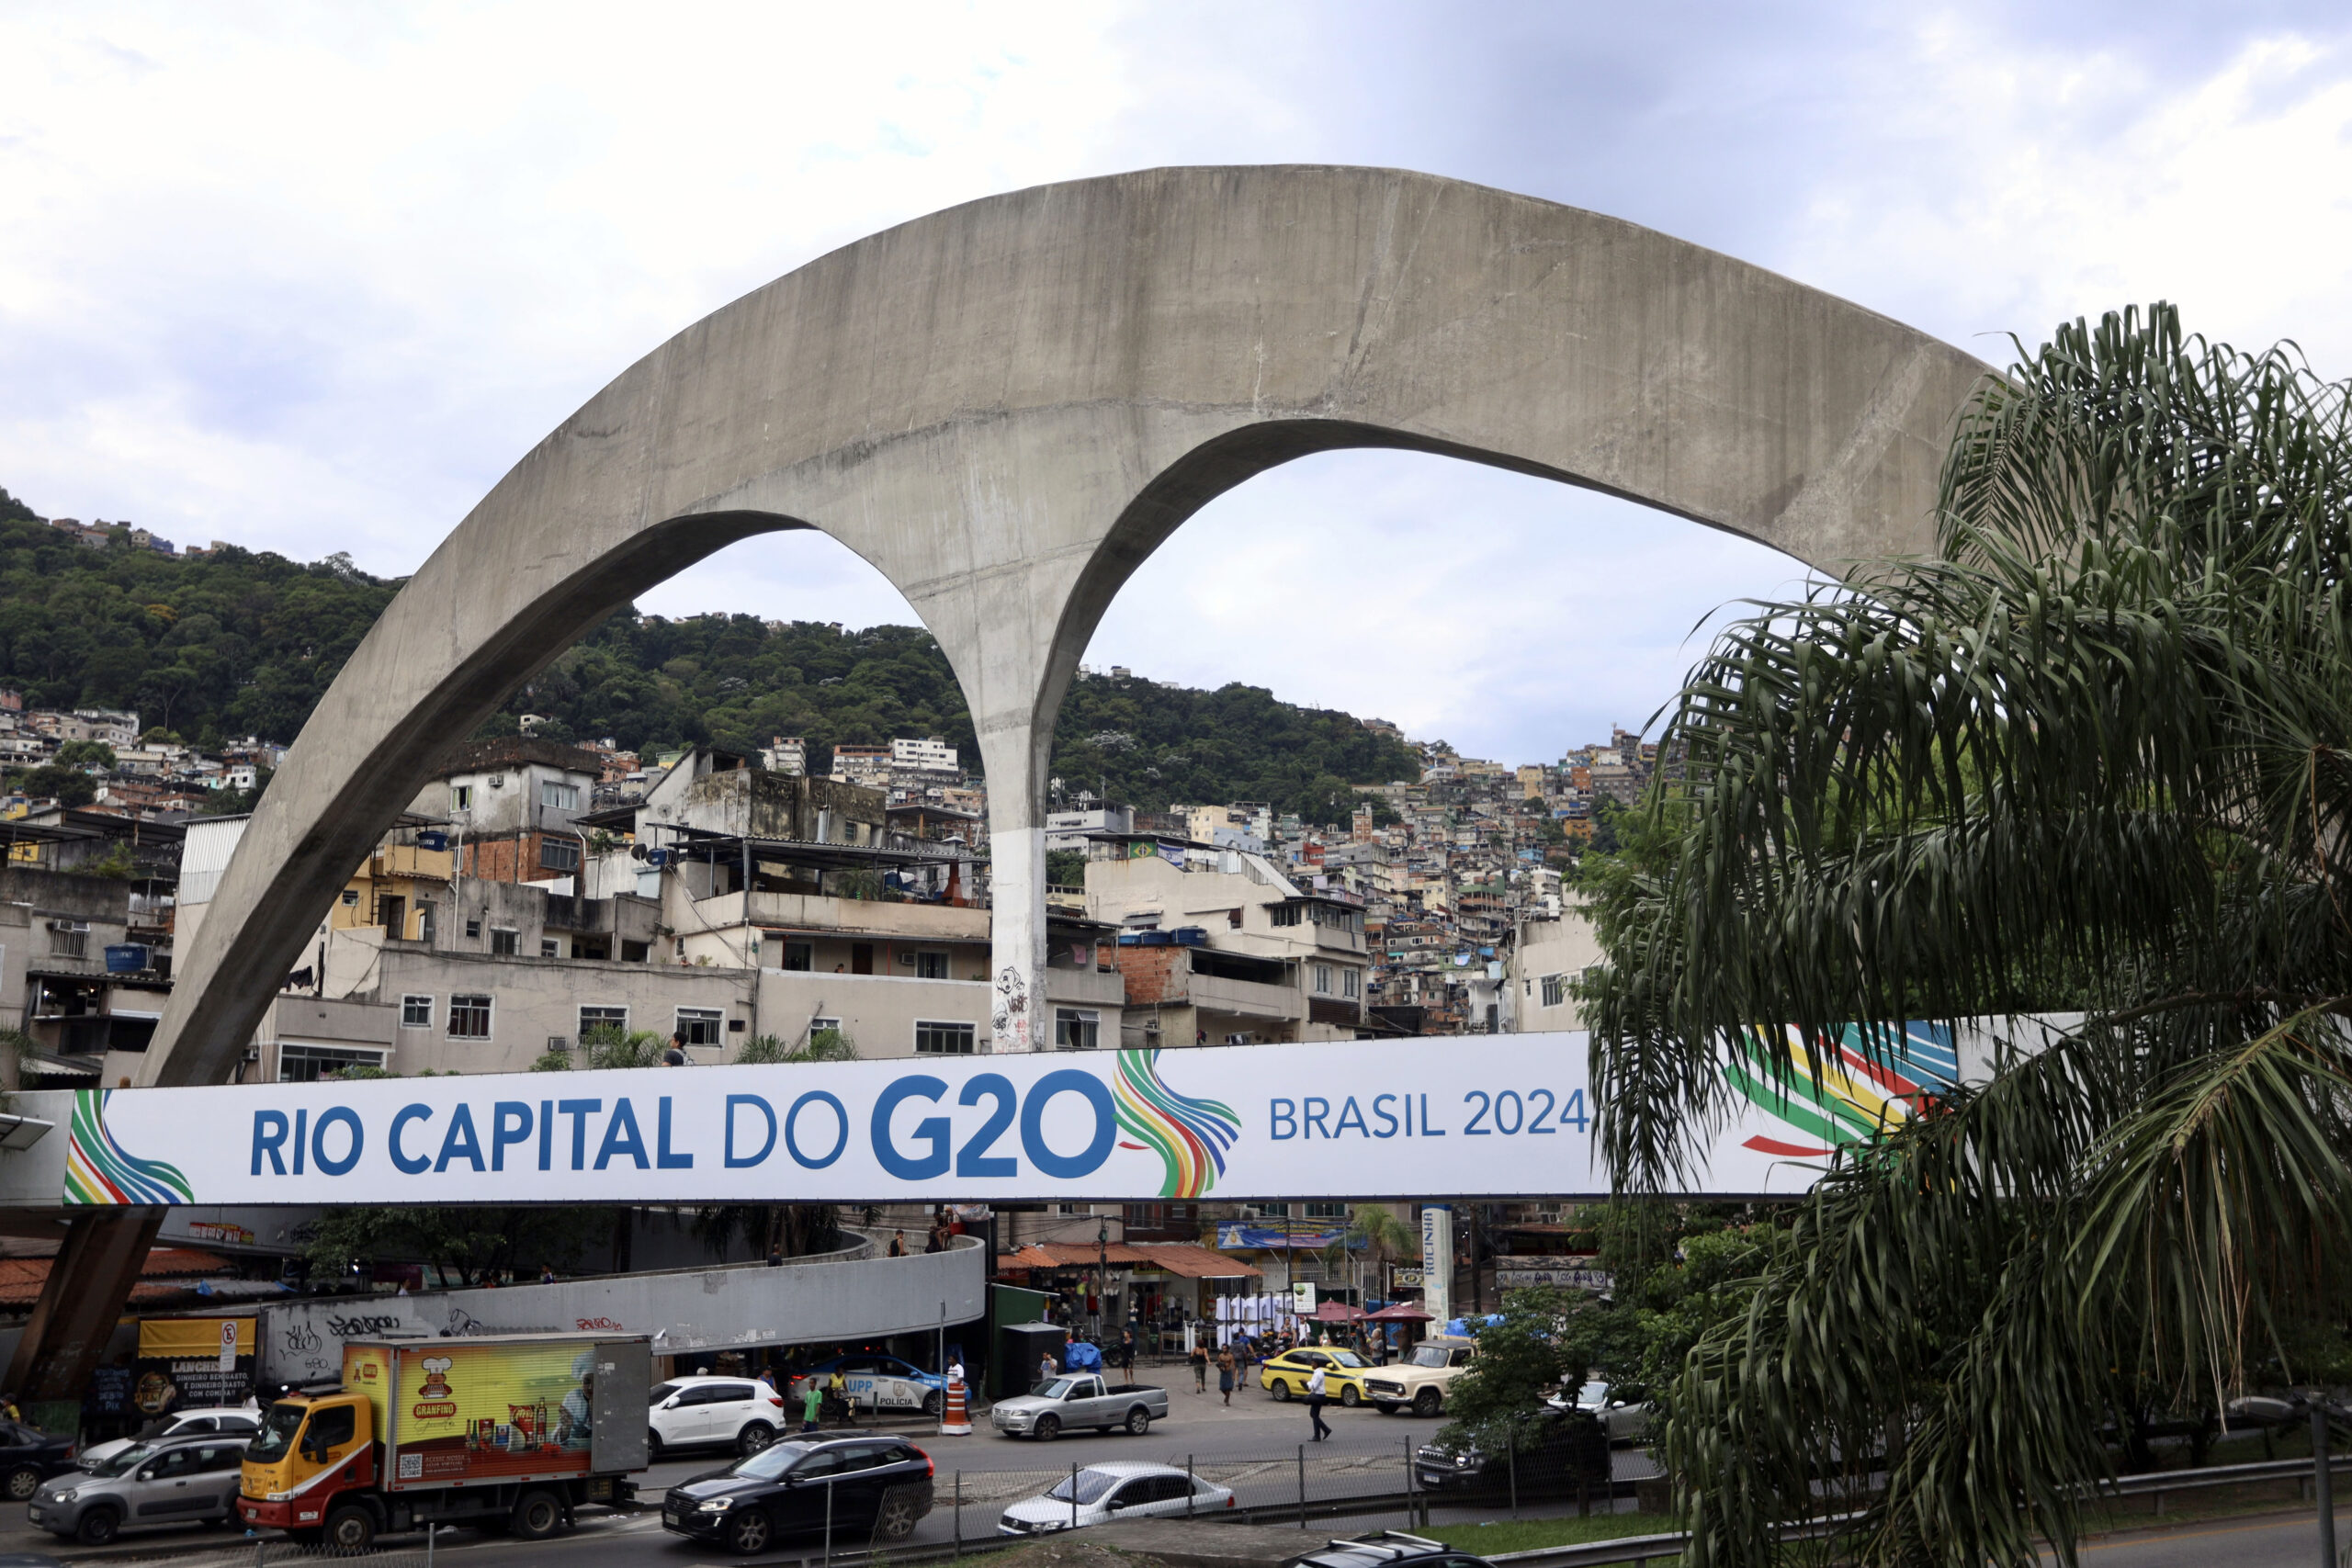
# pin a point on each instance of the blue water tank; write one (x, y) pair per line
(126, 958)
(1192, 936)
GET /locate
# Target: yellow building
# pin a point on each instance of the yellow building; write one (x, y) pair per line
(398, 887)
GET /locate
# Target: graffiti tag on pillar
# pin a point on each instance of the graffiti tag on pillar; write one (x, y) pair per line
(1011, 1016)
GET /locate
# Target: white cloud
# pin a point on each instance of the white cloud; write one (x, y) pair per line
(310, 279)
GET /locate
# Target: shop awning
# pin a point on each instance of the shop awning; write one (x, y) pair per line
(1196, 1262)
(1178, 1258)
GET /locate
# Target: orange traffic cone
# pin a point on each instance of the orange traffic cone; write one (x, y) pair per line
(956, 1422)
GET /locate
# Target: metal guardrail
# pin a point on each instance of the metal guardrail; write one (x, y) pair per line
(1625, 1549)
(1638, 1548)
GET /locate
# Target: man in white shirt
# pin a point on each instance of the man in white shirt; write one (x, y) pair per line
(1315, 1404)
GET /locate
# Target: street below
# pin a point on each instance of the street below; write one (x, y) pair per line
(1256, 1447)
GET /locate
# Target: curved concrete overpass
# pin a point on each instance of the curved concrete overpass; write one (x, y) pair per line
(1006, 406)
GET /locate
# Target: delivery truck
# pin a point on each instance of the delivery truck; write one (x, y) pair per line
(510, 1431)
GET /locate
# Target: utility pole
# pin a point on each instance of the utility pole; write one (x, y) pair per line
(1102, 1273)
(2322, 1483)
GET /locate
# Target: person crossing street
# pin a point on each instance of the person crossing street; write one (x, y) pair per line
(1315, 1405)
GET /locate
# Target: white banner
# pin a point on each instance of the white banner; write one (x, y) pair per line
(1484, 1116)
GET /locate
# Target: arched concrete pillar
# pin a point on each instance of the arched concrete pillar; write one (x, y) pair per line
(1006, 406)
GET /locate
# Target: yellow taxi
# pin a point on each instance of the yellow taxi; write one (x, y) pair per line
(1285, 1376)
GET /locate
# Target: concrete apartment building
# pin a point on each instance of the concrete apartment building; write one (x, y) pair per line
(1548, 956)
(1217, 945)
(731, 902)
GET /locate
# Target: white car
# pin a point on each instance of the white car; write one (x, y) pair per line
(229, 1420)
(691, 1413)
(1107, 1492)
(1624, 1411)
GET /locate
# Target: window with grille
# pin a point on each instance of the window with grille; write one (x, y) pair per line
(944, 1039)
(595, 1019)
(1322, 979)
(931, 966)
(549, 948)
(700, 1026)
(501, 940)
(469, 1017)
(309, 1064)
(1351, 982)
(416, 1012)
(1327, 1210)
(1555, 990)
(1283, 914)
(69, 939)
(559, 854)
(1076, 1029)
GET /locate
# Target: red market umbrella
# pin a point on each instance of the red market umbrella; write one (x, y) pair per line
(1403, 1311)
(1336, 1312)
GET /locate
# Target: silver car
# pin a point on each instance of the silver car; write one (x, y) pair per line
(1621, 1409)
(175, 1481)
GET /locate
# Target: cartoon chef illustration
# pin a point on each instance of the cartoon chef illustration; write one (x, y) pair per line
(437, 1382)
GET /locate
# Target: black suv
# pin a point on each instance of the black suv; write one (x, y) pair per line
(1566, 1457)
(855, 1489)
(1385, 1549)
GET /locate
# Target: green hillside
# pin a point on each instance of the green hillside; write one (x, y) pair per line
(244, 643)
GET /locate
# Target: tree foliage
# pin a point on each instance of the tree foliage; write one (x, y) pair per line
(240, 642)
(2092, 759)
(471, 1243)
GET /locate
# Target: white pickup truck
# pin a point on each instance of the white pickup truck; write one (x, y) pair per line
(1079, 1399)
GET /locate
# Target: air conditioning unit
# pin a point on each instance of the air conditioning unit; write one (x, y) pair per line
(253, 1053)
(559, 1043)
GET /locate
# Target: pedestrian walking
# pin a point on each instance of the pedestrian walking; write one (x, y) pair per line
(1315, 1405)
(1199, 1360)
(838, 1386)
(897, 1244)
(1225, 1373)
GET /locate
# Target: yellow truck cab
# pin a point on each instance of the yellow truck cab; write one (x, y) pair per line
(512, 1431)
(311, 1448)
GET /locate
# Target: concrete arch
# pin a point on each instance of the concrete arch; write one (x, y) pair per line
(1006, 406)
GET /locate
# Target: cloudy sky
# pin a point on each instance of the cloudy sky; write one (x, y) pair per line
(310, 278)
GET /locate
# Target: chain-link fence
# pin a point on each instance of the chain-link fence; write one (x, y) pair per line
(973, 1508)
(1297, 1485)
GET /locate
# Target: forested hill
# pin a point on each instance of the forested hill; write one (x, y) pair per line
(244, 643)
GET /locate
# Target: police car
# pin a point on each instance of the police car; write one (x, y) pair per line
(879, 1382)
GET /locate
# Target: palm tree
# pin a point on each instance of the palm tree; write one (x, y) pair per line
(2095, 761)
(1374, 1230)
